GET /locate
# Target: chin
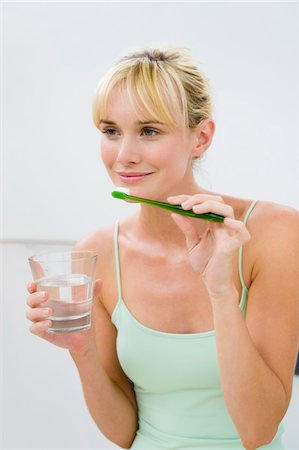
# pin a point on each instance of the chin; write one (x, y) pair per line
(145, 192)
(142, 192)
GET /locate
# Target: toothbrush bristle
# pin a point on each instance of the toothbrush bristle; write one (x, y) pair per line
(122, 189)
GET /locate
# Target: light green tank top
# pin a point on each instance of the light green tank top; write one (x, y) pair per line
(177, 381)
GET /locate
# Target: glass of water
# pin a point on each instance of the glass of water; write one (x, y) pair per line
(68, 279)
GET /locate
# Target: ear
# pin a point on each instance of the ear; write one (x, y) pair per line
(203, 135)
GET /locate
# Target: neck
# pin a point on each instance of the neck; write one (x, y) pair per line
(156, 224)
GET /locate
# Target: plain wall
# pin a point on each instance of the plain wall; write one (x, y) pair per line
(54, 54)
(54, 189)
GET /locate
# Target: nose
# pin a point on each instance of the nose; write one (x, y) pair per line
(128, 152)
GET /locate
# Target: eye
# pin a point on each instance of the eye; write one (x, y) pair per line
(150, 132)
(110, 131)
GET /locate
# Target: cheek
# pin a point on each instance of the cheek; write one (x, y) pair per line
(108, 156)
(175, 160)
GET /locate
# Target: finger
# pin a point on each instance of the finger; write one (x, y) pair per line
(212, 206)
(38, 314)
(201, 198)
(178, 199)
(186, 226)
(36, 299)
(191, 200)
(41, 328)
(237, 229)
(31, 287)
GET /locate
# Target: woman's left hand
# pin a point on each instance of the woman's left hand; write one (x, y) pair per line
(211, 252)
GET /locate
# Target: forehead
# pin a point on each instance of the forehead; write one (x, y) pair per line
(123, 102)
(119, 99)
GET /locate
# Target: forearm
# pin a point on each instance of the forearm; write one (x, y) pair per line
(110, 408)
(254, 395)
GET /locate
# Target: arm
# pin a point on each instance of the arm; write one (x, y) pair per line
(260, 356)
(108, 393)
(256, 358)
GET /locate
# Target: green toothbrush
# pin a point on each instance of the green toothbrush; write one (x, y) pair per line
(123, 195)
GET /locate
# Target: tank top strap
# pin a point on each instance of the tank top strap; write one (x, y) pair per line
(117, 262)
(240, 258)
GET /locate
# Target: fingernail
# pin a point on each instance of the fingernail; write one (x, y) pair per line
(197, 208)
(47, 312)
(43, 294)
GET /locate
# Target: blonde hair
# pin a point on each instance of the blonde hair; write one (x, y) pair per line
(164, 85)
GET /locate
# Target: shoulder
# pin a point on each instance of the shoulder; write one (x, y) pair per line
(276, 214)
(274, 224)
(99, 240)
(274, 243)
(274, 231)
(267, 219)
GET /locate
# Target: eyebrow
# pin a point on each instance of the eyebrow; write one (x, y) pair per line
(139, 122)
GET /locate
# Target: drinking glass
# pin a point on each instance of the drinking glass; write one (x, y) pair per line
(68, 278)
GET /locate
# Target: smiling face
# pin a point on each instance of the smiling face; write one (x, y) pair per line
(150, 158)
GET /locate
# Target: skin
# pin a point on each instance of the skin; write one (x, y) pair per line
(187, 268)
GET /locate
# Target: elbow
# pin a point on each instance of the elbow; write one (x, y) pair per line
(257, 439)
(124, 443)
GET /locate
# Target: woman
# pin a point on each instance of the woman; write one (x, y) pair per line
(195, 324)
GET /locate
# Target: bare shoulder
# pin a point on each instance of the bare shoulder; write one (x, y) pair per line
(275, 214)
(98, 240)
(274, 227)
(268, 222)
(264, 213)
(274, 231)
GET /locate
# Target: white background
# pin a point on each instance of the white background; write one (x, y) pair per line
(54, 55)
(54, 189)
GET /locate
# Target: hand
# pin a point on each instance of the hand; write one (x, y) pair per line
(211, 251)
(38, 314)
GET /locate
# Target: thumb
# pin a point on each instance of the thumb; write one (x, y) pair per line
(186, 226)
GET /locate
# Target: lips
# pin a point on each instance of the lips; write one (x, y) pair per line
(131, 177)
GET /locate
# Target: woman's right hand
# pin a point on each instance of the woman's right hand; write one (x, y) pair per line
(78, 343)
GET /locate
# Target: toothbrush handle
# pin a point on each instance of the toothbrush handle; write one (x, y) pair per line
(212, 217)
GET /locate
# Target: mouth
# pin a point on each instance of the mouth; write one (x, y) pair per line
(132, 177)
